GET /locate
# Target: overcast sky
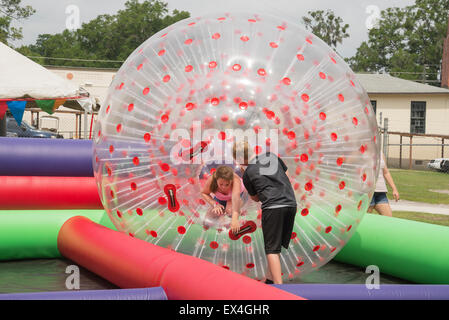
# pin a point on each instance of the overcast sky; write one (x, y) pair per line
(52, 15)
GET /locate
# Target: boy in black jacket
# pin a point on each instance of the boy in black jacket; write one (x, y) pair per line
(266, 180)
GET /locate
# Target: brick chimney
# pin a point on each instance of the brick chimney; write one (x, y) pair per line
(445, 64)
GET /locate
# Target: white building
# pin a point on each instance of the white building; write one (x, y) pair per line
(413, 108)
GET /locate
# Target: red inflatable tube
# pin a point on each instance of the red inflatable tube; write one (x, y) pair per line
(132, 263)
(21, 192)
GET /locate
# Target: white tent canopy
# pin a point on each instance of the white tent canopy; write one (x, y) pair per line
(21, 77)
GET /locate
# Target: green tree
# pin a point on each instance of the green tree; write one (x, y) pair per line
(60, 49)
(107, 37)
(327, 26)
(12, 10)
(26, 51)
(407, 43)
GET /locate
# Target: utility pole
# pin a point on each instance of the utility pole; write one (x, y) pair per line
(445, 64)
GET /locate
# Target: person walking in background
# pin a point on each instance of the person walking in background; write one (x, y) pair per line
(379, 202)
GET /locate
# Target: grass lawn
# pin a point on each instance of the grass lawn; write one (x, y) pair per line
(414, 185)
(422, 217)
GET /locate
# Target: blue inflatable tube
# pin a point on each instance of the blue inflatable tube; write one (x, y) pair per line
(361, 292)
(45, 157)
(156, 293)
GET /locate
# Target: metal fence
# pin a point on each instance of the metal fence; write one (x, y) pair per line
(406, 150)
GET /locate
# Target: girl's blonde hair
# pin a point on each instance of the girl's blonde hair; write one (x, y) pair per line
(222, 172)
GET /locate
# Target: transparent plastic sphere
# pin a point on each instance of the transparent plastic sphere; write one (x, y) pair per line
(178, 101)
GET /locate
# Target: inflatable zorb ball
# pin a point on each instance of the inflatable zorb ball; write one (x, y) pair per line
(175, 107)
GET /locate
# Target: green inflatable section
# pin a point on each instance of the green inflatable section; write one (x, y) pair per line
(28, 234)
(416, 251)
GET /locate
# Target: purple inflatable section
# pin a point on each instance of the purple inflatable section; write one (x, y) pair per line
(361, 292)
(156, 293)
(45, 157)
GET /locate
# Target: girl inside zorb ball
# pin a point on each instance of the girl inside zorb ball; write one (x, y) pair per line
(189, 94)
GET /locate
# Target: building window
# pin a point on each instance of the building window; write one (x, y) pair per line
(418, 117)
(374, 104)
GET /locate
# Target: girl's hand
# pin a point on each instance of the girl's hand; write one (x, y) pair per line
(396, 195)
(218, 209)
(235, 225)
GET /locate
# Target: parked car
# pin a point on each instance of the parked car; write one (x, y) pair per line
(27, 131)
(440, 164)
(445, 166)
